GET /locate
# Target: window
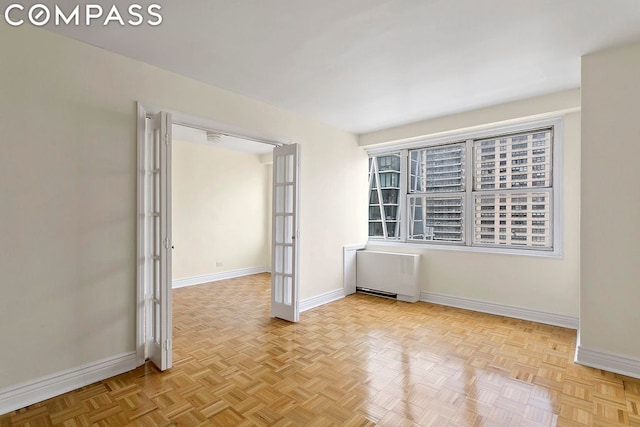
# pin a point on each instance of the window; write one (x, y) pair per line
(436, 193)
(384, 196)
(525, 170)
(436, 218)
(491, 190)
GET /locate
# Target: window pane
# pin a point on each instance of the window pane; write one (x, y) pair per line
(279, 199)
(392, 230)
(288, 229)
(289, 164)
(279, 169)
(278, 261)
(437, 219)
(524, 161)
(389, 163)
(384, 195)
(437, 169)
(375, 229)
(279, 229)
(391, 213)
(515, 219)
(288, 259)
(375, 213)
(288, 290)
(278, 294)
(288, 198)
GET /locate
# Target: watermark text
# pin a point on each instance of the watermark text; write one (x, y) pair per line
(17, 14)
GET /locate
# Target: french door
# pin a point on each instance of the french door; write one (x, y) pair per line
(154, 336)
(285, 242)
(158, 223)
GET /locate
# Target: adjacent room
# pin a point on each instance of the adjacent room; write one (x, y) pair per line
(362, 212)
(221, 206)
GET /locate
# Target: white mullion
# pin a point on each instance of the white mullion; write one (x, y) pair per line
(380, 203)
(423, 201)
(411, 218)
(551, 220)
(469, 207)
(371, 179)
(373, 176)
(373, 160)
(514, 190)
(401, 228)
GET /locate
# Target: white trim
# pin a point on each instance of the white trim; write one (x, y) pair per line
(598, 359)
(28, 393)
(472, 128)
(214, 277)
(463, 248)
(355, 247)
(318, 300)
(563, 320)
(460, 135)
(557, 169)
(206, 124)
(140, 235)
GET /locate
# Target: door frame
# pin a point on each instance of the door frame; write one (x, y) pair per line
(143, 111)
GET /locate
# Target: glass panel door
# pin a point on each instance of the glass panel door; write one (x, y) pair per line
(284, 269)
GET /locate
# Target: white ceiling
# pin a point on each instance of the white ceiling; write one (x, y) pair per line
(363, 65)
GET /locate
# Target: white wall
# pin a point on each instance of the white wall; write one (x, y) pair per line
(541, 284)
(219, 209)
(68, 194)
(610, 264)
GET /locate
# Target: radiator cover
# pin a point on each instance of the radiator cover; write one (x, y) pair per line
(389, 273)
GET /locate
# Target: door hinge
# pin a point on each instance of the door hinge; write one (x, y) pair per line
(166, 138)
(167, 344)
(166, 243)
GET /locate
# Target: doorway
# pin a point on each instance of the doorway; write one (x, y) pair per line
(221, 210)
(154, 234)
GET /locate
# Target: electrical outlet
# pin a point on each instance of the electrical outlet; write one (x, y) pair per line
(219, 263)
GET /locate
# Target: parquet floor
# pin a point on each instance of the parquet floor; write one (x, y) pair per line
(360, 361)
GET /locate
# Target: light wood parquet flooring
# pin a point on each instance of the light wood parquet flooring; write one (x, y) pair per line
(360, 361)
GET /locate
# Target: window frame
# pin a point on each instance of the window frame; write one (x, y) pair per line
(468, 136)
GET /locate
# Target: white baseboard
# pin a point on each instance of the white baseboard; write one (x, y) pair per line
(598, 359)
(318, 300)
(214, 277)
(21, 395)
(563, 320)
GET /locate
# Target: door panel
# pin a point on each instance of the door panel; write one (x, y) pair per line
(158, 217)
(285, 242)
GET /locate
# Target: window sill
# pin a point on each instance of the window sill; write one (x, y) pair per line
(555, 254)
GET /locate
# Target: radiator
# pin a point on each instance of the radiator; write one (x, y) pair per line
(388, 274)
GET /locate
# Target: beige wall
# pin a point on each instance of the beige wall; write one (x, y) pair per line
(544, 284)
(219, 210)
(68, 194)
(610, 264)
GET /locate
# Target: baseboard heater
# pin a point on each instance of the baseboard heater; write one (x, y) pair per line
(376, 293)
(388, 274)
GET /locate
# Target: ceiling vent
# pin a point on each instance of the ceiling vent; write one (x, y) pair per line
(213, 137)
